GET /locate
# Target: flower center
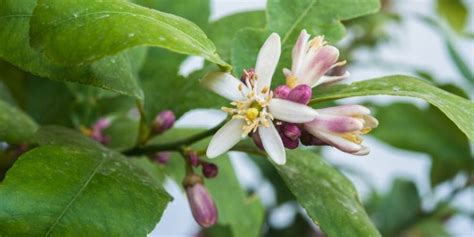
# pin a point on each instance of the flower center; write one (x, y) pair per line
(253, 109)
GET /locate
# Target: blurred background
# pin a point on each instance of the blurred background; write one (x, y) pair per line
(408, 182)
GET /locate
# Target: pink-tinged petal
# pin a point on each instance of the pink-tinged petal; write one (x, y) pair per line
(225, 138)
(345, 110)
(334, 140)
(267, 61)
(336, 124)
(362, 152)
(370, 121)
(272, 143)
(225, 85)
(316, 66)
(299, 50)
(292, 112)
(331, 79)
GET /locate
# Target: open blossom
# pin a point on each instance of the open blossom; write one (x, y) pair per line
(254, 107)
(339, 126)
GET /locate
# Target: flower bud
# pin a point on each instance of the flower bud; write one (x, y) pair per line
(162, 157)
(300, 94)
(101, 124)
(210, 170)
(291, 130)
(282, 91)
(289, 143)
(202, 205)
(97, 130)
(163, 121)
(193, 158)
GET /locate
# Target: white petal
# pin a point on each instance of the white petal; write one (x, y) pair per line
(292, 112)
(267, 61)
(362, 152)
(345, 110)
(225, 138)
(334, 140)
(225, 85)
(319, 63)
(336, 124)
(299, 50)
(370, 121)
(330, 79)
(272, 143)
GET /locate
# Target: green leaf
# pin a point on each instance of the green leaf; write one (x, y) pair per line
(328, 196)
(459, 110)
(74, 32)
(319, 17)
(425, 130)
(15, 126)
(76, 187)
(454, 12)
(111, 73)
(458, 60)
(245, 46)
(398, 208)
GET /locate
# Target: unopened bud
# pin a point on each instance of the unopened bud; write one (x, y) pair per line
(97, 130)
(162, 157)
(282, 91)
(202, 205)
(289, 143)
(291, 130)
(300, 94)
(163, 121)
(101, 124)
(193, 158)
(210, 170)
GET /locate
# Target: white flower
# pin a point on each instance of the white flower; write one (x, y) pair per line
(254, 107)
(311, 60)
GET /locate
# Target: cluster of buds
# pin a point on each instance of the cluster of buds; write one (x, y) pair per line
(209, 170)
(163, 121)
(96, 132)
(200, 200)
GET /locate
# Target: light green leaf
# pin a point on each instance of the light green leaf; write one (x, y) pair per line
(459, 110)
(78, 189)
(319, 17)
(425, 130)
(74, 32)
(328, 196)
(15, 126)
(454, 12)
(111, 73)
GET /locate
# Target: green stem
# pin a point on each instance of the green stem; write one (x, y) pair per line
(172, 146)
(143, 130)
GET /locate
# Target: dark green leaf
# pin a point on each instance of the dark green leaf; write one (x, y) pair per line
(80, 189)
(459, 110)
(328, 196)
(112, 73)
(75, 32)
(15, 126)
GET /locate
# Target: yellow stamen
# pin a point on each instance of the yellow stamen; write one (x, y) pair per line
(365, 130)
(352, 137)
(291, 81)
(252, 113)
(317, 42)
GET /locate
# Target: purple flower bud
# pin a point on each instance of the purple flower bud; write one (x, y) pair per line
(210, 170)
(101, 124)
(202, 206)
(309, 140)
(282, 91)
(289, 143)
(256, 139)
(300, 94)
(162, 157)
(248, 74)
(193, 158)
(291, 130)
(100, 137)
(163, 121)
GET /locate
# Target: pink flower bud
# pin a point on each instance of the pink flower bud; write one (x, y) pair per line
(289, 143)
(99, 136)
(282, 92)
(193, 158)
(162, 157)
(300, 94)
(291, 130)
(163, 121)
(202, 206)
(210, 170)
(101, 124)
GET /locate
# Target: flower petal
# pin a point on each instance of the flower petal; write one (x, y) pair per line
(225, 138)
(272, 143)
(299, 50)
(336, 124)
(267, 61)
(334, 140)
(330, 79)
(345, 110)
(362, 152)
(225, 85)
(292, 112)
(370, 121)
(317, 64)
